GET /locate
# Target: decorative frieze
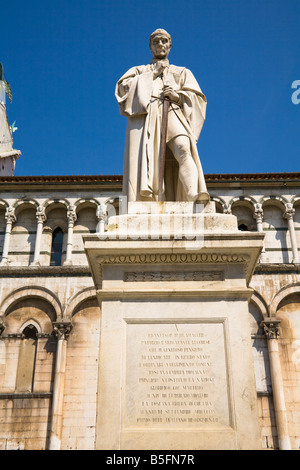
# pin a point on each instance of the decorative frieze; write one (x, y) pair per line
(172, 258)
(154, 276)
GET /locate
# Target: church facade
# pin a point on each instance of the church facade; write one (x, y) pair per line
(50, 319)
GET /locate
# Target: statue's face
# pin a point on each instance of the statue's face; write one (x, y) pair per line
(160, 46)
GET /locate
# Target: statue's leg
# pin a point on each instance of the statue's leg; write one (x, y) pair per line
(188, 173)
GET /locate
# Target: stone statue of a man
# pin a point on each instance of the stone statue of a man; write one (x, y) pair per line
(140, 94)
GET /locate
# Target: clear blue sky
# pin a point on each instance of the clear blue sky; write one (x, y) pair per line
(63, 58)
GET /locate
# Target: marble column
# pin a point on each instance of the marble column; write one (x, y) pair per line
(258, 216)
(41, 217)
(62, 330)
(289, 215)
(101, 216)
(10, 219)
(72, 217)
(271, 329)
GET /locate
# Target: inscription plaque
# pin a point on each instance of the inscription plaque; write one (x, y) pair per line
(176, 375)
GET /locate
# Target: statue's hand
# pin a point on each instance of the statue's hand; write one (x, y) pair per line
(171, 94)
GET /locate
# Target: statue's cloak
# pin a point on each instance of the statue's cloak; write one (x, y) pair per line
(138, 96)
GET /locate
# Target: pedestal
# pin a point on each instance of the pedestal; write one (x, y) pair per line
(175, 366)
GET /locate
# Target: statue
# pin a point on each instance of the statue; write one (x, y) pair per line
(141, 94)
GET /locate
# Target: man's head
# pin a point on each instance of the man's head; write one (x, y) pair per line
(160, 43)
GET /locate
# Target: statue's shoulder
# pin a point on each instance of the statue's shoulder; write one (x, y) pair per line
(176, 69)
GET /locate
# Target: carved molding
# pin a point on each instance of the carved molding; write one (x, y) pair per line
(153, 276)
(170, 258)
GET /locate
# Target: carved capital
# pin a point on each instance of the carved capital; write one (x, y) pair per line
(40, 214)
(258, 213)
(10, 215)
(271, 328)
(101, 211)
(71, 215)
(289, 211)
(227, 208)
(62, 329)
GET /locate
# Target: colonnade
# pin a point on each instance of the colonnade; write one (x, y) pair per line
(288, 214)
(41, 217)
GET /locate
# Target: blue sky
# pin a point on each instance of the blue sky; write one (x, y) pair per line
(63, 58)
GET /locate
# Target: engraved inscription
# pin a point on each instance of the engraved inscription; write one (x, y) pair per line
(148, 276)
(176, 375)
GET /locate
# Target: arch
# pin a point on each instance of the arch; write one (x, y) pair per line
(77, 299)
(248, 201)
(278, 201)
(60, 221)
(219, 203)
(4, 203)
(259, 301)
(284, 292)
(218, 199)
(27, 360)
(31, 291)
(88, 201)
(243, 207)
(22, 204)
(33, 323)
(54, 201)
(295, 201)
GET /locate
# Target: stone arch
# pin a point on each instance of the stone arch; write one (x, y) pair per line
(282, 294)
(77, 299)
(219, 203)
(56, 218)
(31, 292)
(3, 204)
(86, 201)
(248, 201)
(58, 221)
(54, 201)
(259, 301)
(278, 201)
(32, 322)
(275, 226)
(23, 232)
(296, 200)
(21, 204)
(243, 208)
(86, 222)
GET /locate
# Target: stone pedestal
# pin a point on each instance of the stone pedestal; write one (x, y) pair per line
(175, 366)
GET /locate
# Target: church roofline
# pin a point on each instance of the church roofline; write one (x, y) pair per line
(117, 179)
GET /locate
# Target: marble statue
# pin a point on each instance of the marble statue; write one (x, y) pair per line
(140, 93)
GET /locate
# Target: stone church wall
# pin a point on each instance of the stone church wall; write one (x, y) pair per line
(37, 291)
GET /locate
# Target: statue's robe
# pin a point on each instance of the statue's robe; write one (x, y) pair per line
(138, 94)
